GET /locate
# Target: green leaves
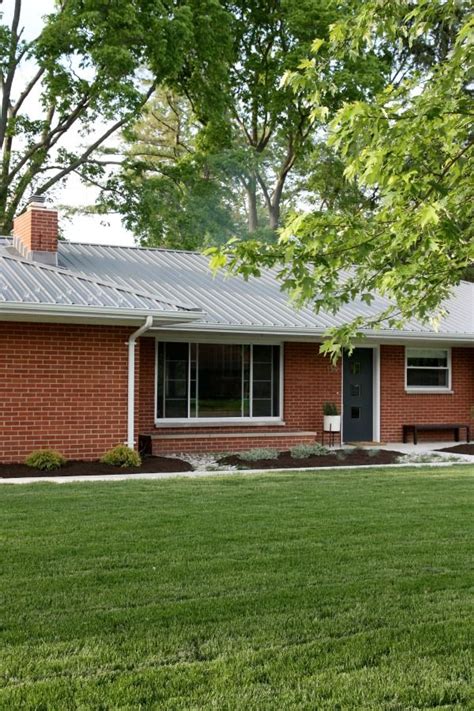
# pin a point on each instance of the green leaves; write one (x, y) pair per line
(93, 64)
(408, 149)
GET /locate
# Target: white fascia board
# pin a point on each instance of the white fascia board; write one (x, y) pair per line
(319, 334)
(65, 312)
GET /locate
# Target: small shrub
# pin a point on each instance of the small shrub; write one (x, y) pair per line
(122, 456)
(330, 409)
(373, 452)
(45, 459)
(303, 451)
(253, 455)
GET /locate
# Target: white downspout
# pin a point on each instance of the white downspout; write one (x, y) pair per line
(131, 379)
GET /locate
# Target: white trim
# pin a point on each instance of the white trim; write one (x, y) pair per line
(307, 333)
(376, 393)
(219, 421)
(215, 421)
(168, 317)
(432, 389)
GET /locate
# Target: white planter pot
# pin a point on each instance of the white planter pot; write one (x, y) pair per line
(332, 423)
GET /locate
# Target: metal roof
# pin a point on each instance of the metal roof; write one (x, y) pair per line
(230, 302)
(170, 281)
(31, 283)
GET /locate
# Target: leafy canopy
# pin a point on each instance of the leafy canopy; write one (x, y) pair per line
(408, 149)
(234, 163)
(87, 75)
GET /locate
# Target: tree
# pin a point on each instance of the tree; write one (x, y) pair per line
(409, 149)
(246, 156)
(168, 191)
(94, 66)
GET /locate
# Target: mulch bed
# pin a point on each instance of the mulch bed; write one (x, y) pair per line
(352, 457)
(460, 449)
(150, 465)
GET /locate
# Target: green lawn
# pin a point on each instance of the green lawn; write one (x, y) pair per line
(328, 590)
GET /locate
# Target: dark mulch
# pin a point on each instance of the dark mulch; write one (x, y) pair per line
(460, 449)
(353, 457)
(150, 465)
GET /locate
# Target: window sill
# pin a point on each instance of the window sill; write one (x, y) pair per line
(429, 391)
(216, 422)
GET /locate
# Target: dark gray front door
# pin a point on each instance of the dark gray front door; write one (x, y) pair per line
(358, 396)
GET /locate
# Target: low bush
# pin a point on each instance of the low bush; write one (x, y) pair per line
(121, 456)
(303, 451)
(45, 459)
(254, 455)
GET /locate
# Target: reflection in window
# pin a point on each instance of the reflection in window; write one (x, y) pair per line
(211, 380)
(427, 367)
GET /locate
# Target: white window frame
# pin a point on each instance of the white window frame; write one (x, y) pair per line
(224, 421)
(429, 388)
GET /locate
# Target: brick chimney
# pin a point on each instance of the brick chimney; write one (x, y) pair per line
(35, 232)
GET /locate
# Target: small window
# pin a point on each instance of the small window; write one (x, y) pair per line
(355, 413)
(355, 390)
(427, 368)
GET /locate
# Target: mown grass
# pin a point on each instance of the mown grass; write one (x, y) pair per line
(328, 590)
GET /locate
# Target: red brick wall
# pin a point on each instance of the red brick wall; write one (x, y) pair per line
(146, 407)
(398, 407)
(63, 387)
(37, 229)
(309, 380)
(283, 440)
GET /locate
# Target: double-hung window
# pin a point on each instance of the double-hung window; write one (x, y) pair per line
(428, 369)
(219, 381)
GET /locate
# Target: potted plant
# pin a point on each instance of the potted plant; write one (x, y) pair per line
(332, 420)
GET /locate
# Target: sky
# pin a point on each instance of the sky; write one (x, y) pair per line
(96, 229)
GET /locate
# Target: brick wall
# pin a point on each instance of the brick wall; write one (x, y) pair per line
(146, 390)
(63, 387)
(398, 407)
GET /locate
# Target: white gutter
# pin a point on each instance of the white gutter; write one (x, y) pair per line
(65, 310)
(319, 333)
(132, 341)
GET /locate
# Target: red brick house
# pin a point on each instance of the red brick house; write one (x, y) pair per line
(99, 345)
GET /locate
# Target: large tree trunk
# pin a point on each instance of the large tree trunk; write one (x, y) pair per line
(251, 189)
(274, 216)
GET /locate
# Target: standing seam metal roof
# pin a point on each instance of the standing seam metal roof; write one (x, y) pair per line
(232, 302)
(24, 282)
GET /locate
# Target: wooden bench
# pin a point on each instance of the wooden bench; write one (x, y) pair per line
(407, 429)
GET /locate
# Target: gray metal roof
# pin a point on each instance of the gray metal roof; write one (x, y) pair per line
(158, 280)
(231, 303)
(31, 283)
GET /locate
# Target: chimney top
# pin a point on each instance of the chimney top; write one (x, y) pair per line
(35, 199)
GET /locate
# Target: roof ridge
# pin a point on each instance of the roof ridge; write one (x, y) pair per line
(99, 282)
(130, 246)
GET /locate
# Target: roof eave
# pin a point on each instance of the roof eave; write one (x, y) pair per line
(72, 312)
(321, 332)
